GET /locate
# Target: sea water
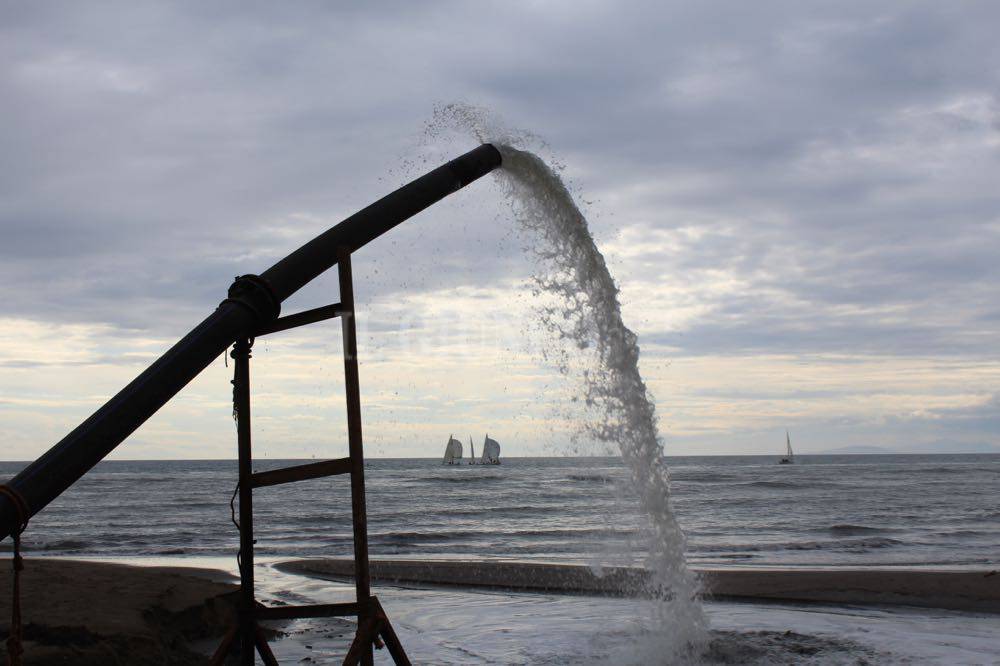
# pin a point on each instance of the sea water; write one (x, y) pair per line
(829, 511)
(826, 511)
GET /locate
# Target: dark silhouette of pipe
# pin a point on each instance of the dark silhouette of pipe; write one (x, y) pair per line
(253, 301)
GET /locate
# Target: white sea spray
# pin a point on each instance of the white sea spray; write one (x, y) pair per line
(582, 308)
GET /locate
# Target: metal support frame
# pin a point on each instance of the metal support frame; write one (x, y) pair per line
(254, 303)
(252, 308)
(374, 628)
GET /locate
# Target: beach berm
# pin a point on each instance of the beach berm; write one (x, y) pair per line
(90, 613)
(963, 590)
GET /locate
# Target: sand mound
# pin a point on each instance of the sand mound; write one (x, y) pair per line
(99, 613)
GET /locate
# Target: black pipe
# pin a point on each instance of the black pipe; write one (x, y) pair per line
(253, 301)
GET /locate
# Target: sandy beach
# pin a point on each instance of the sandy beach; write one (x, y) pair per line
(107, 613)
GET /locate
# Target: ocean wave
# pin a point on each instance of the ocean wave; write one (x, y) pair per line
(66, 544)
(984, 515)
(460, 535)
(857, 545)
(937, 471)
(492, 513)
(771, 484)
(854, 545)
(594, 478)
(700, 477)
(456, 479)
(966, 533)
(504, 511)
(856, 530)
(488, 549)
(788, 485)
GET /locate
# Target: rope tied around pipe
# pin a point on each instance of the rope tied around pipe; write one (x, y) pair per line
(242, 347)
(14, 647)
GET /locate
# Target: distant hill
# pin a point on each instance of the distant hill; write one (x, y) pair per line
(953, 447)
(843, 450)
(932, 447)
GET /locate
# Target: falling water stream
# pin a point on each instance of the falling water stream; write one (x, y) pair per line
(583, 310)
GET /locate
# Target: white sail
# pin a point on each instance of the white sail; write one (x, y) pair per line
(787, 459)
(491, 451)
(453, 451)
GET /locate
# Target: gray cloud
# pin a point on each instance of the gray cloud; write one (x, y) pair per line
(839, 161)
(178, 133)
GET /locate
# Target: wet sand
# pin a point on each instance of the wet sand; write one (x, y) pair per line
(102, 613)
(977, 591)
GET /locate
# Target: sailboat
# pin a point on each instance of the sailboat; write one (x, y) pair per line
(453, 452)
(491, 452)
(472, 452)
(789, 456)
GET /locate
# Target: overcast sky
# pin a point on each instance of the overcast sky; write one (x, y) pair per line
(800, 202)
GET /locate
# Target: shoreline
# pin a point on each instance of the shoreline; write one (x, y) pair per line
(961, 590)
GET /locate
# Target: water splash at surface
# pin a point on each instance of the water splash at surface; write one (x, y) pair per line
(583, 310)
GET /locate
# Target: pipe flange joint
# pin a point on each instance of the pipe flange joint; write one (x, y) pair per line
(254, 293)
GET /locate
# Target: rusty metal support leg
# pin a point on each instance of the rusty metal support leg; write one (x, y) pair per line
(389, 636)
(221, 652)
(362, 578)
(263, 648)
(362, 643)
(241, 405)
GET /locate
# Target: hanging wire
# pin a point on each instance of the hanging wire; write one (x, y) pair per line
(232, 517)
